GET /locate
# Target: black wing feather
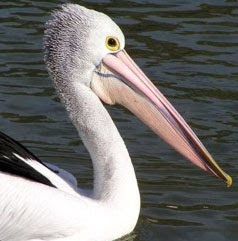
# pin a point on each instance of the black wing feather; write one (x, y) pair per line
(10, 163)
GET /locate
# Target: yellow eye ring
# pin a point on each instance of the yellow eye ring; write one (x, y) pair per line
(112, 43)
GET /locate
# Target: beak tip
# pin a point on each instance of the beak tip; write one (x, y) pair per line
(228, 180)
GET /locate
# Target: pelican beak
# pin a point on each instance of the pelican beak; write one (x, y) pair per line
(119, 80)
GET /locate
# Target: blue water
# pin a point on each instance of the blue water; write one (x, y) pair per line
(190, 50)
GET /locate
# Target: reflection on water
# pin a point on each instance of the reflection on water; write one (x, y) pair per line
(189, 48)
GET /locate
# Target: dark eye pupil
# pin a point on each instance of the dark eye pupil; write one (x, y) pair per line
(112, 42)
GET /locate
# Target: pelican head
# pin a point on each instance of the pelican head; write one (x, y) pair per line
(77, 39)
(86, 47)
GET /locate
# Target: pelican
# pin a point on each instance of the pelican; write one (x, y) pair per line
(88, 64)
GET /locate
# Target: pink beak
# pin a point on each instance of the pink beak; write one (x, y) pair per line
(126, 84)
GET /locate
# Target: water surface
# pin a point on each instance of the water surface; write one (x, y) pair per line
(190, 50)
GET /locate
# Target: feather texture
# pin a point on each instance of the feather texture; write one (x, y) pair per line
(12, 154)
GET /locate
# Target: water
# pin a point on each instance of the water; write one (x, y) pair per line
(189, 48)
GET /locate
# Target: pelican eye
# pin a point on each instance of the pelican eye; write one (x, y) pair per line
(112, 43)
